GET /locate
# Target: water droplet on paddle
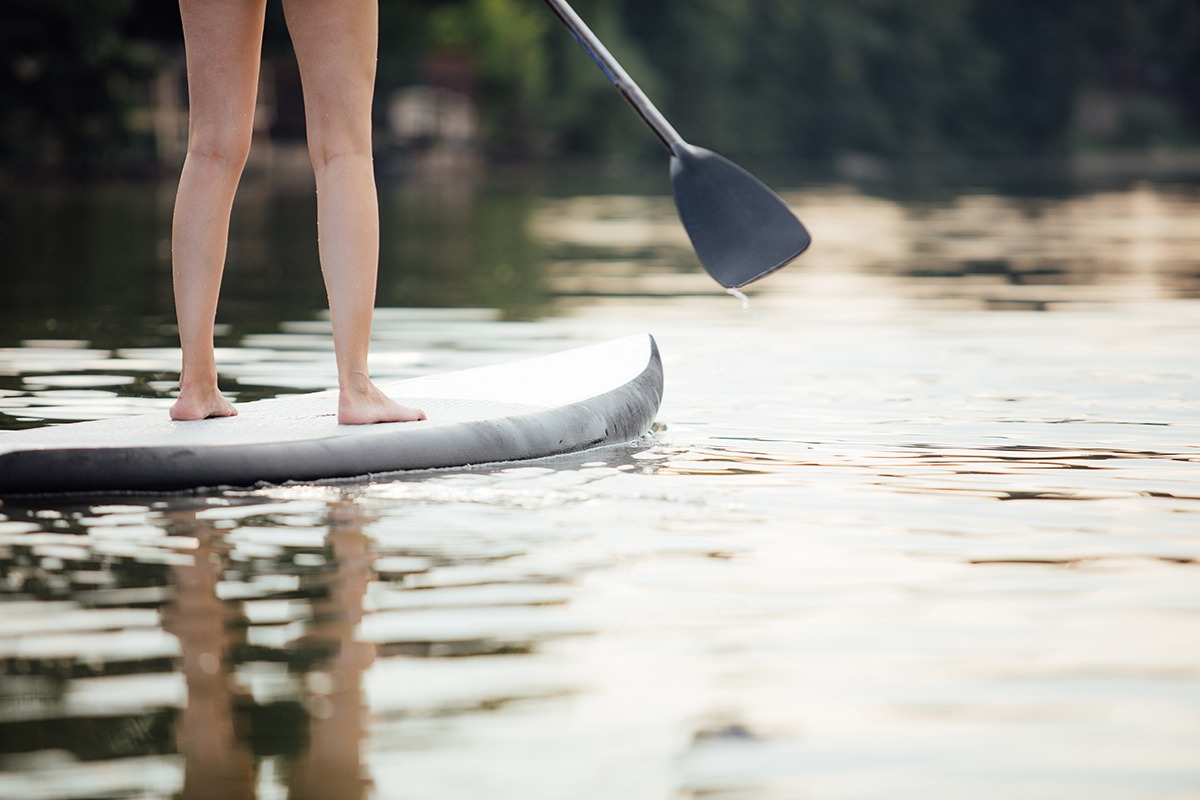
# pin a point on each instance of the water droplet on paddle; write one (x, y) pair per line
(738, 294)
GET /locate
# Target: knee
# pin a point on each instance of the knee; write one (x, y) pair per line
(225, 148)
(336, 134)
(325, 151)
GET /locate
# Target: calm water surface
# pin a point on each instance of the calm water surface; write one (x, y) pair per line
(923, 522)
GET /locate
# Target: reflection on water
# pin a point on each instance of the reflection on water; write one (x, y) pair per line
(970, 250)
(155, 592)
(921, 522)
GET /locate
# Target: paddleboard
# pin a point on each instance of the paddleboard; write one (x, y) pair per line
(547, 405)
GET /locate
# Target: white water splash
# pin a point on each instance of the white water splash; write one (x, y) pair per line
(738, 294)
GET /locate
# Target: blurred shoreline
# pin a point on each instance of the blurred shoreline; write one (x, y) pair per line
(288, 163)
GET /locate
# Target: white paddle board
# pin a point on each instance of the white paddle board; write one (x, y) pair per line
(543, 406)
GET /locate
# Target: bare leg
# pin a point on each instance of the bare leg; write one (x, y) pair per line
(223, 40)
(336, 46)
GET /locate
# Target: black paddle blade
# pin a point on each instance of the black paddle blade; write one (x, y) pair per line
(741, 229)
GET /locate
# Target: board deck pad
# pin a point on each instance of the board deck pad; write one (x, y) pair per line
(536, 407)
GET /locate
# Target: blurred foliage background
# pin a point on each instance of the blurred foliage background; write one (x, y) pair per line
(811, 79)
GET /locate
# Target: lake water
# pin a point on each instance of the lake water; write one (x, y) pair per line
(921, 522)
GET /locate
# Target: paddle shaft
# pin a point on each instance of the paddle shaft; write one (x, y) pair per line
(669, 137)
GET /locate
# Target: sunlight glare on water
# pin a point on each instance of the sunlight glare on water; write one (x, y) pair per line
(922, 521)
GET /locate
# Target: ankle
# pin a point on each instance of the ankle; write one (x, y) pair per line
(356, 383)
(193, 378)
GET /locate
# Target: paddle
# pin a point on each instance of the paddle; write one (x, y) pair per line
(741, 230)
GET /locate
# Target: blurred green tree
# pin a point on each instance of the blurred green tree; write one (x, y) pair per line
(888, 78)
(505, 41)
(67, 77)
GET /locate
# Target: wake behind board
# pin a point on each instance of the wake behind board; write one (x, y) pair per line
(543, 406)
